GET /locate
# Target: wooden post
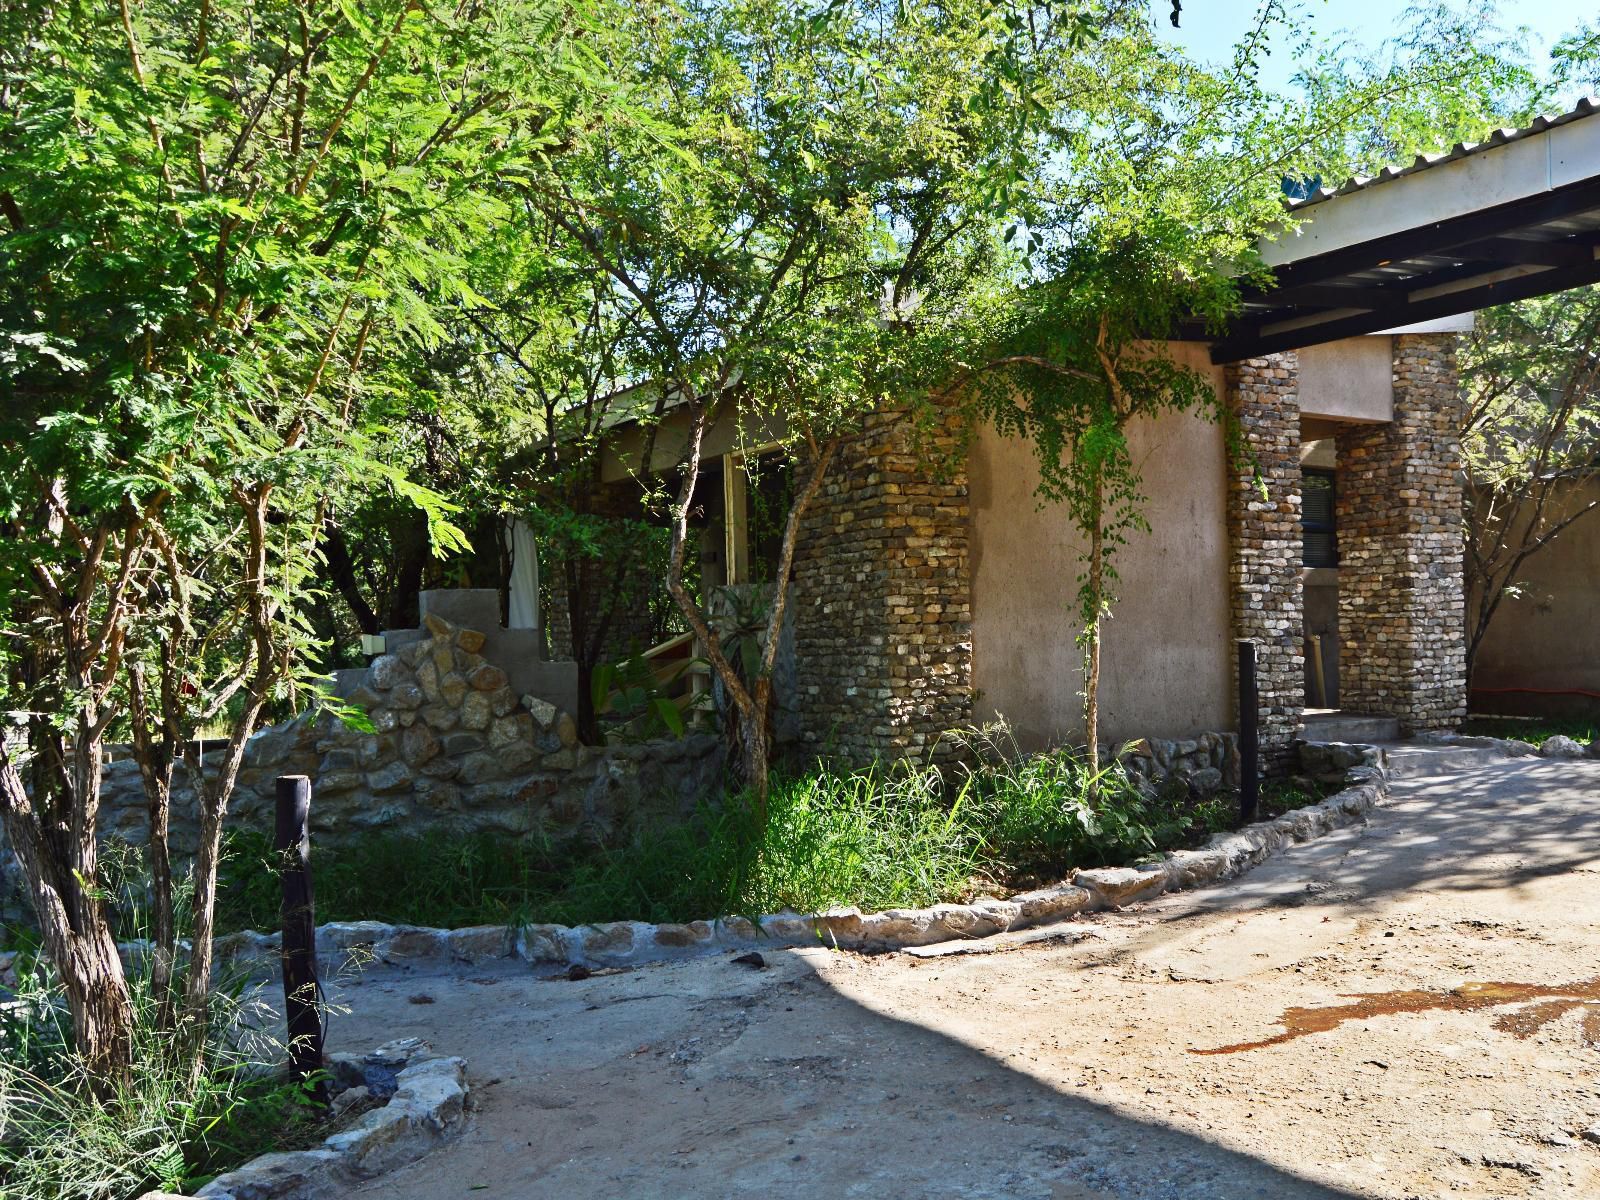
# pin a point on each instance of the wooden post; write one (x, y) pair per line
(1249, 741)
(298, 954)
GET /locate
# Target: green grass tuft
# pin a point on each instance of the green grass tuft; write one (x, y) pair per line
(1537, 730)
(163, 1129)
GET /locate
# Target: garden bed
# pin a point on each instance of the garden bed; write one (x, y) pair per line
(878, 839)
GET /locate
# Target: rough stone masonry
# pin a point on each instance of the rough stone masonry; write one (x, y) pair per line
(1264, 529)
(1401, 599)
(453, 748)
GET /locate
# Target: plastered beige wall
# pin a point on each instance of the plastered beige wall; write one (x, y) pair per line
(1549, 636)
(1351, 380)
(1167, 656)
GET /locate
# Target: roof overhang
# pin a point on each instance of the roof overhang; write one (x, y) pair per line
(1513, 217)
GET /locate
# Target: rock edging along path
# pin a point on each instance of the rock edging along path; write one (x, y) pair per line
(427, 1105)
(624, 943)
(1559, 746)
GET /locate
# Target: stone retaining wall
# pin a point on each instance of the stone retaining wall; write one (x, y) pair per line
(1206, 763)
(453, 748)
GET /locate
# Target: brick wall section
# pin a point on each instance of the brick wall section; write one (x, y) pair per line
(1265, 536)
(1401, 608)
(882, 597)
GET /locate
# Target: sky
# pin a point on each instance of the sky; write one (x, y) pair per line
(1210, 27)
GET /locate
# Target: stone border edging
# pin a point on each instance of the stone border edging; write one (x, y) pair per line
(1558, 746)
(627, 943)
(427, 1106)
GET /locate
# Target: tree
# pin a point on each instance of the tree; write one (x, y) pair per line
(1152, 218)
(1069, 366)
(1529, 437)
(218, 223)
(1530, 441)
(853, 172)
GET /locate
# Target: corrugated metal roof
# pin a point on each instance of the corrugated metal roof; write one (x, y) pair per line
(1585, 108)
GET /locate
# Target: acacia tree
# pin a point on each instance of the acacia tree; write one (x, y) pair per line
(853, 171)
(1530, 440)
(216, 223)
(550, 361)
(1070, 366)
(1154, 220)
(1529, 435)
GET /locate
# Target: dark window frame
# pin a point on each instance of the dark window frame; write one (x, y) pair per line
(1329, 526)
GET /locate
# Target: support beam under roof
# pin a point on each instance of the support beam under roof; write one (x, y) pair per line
(1514, 217)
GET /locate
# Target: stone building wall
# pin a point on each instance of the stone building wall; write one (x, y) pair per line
(882, 596)
(1266, 539)
(1401, 602)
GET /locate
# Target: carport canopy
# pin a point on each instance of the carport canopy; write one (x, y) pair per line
(1509, 218)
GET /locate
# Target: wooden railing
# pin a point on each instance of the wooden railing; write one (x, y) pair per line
(681, 674)
(681, 669)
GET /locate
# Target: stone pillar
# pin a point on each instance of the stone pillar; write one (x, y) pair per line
(1402, 623)
(1264, 530)
(882, 596)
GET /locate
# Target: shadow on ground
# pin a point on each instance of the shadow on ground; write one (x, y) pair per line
(710, 1079)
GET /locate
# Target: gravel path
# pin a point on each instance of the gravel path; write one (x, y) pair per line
(1067, 1070)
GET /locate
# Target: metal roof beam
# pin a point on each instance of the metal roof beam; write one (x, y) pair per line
(1440, 236)
(1498, 289)
(1568, 252)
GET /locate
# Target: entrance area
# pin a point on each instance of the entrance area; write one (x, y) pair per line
(1346, 528)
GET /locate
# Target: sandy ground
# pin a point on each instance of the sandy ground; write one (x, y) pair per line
(1068, 1070)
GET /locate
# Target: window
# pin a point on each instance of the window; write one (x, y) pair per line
(1317, 519)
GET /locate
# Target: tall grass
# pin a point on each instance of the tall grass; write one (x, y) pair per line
(1537, 730)
(884, 837)
(888, 836)
(62, 1137)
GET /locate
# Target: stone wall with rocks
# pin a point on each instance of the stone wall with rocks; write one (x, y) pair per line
(1206, 764)
(1268, 604)
(453, 748)
(882, 595)
(1401, 600)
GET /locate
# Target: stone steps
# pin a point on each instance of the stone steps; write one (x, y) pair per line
(1416, 760)
(1362, 729)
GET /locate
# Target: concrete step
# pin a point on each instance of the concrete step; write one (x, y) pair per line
(1417, 760)
(1361, 728)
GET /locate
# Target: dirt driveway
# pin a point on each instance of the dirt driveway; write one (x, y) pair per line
(1070, 1070)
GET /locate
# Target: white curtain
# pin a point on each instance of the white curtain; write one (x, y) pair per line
(523, 612)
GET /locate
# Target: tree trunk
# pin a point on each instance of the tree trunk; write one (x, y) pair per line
(1091, 673)
(83, 950)
(342, 571)
(404, 602)
(752, 748)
